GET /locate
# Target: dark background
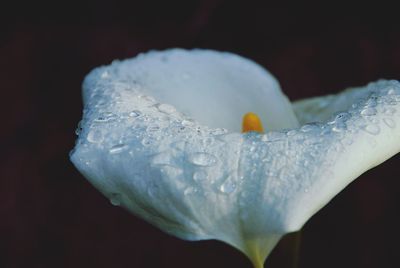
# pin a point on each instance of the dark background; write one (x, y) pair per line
(50, 216)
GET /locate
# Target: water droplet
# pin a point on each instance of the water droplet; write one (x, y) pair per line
(389, 122)
(78, 129)
(115, 199)
(368, 112)
(146, 142)
(228, 186)
(339, 127)
(135, 113)
(200, 176)
(202, 159)
(264, 138)
(276, 136)
(107, 117)
(148, 100)
(309, 127)
(95, 136)
(218, 131)
(119, 148)
(166, 108)
(391, 91)
(342, 117)
(152, 128)
(292, 132)
(105, 75)
(372, 129)
(371, 102)
(187, 122)
(72, 152)
(190, 190)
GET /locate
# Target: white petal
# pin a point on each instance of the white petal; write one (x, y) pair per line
(363, 132)
(214, 88)
(320, 109)
(196, 182)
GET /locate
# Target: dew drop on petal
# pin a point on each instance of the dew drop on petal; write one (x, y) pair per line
(342, 117)
(202, 159)
(187, 123)
(368, 111)
(292, 132)
(78, 129)
(153, 128)
(339, 127)
(146, 141)
(147, 100)
(311, 127)
(119, 148)
(105, 75)
(218, 131)
(115, 199)
(106, 118)
(71, 152)
(371, 102)
(391, 92)
(135, 113)
(95, 136)
(372, 129)
(200, 176)
(190, 190)
(166, 108)
(389, 122)
(228, 186)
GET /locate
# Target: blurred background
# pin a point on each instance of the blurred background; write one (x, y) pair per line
(50, 216)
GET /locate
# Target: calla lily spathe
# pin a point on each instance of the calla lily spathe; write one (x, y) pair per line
(160, 137)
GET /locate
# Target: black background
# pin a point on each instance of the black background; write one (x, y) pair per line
(50, 216)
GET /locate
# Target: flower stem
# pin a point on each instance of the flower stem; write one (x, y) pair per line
(296, 249)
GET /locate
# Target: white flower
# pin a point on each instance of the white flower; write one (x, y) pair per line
(160, 137)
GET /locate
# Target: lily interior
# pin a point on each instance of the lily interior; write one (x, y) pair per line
(161, 136)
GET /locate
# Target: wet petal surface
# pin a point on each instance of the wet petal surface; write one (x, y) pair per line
(201, 182)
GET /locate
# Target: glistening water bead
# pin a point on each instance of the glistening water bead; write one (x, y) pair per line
(118, 148)
(166, 108)
(368, 112)
(389, 122)
(372, 129)
(115, 199)
(202, 159)
(228, 186)
(95, 136)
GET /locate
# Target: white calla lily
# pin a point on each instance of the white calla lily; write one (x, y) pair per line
(160, 137)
